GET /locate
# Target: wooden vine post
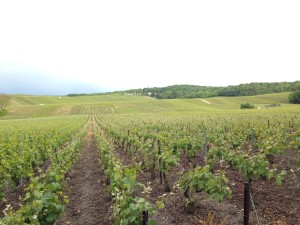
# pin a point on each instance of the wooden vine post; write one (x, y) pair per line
(159, 153)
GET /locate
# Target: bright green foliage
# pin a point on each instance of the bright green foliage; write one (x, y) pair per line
(167, 161)
(241, 140)
(280, 177)
(26, 145)
(128, 207)
(44, 200)
(253, 166)
(204, 180)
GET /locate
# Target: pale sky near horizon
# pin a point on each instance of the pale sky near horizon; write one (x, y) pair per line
(60, 47)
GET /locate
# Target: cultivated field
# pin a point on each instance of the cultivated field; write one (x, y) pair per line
(130, 159)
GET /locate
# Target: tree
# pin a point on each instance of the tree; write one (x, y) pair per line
(294, 97)
(4, 100)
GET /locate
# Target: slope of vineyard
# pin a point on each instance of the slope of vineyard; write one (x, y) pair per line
(30, 149)
(37, 100)
(188, 158)
(23, 106)
(177, 161)
(35, 111)
(259, 100)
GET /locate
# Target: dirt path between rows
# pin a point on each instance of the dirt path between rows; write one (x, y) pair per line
(89, 198)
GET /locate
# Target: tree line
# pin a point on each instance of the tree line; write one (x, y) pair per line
(194, 91)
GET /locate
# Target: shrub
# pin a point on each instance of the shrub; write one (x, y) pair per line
(294, 97)
(247, 106)
(3, 112)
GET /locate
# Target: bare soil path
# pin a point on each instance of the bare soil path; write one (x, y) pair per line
(89, 199)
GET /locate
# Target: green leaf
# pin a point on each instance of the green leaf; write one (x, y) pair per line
(37, 194)
(57, 177)
(279, 180)
(66, 200)
(160, 204)
(280, 177)
(56, 186)
(51, 218)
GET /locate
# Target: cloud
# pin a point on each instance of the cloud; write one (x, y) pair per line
(19, 79)
(134, 44)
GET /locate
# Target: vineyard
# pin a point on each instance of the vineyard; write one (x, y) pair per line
(165, 162)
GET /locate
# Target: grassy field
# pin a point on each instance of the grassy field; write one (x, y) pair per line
(27, 106)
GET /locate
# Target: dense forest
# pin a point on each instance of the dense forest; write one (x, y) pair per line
(194, 91)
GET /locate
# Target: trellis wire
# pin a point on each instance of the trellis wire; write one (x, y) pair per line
(254, 207)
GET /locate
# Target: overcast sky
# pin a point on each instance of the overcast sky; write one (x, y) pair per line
(60, 47)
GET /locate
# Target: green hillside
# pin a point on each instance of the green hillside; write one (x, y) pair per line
(26, 106)
(235, 102)
(38, 100)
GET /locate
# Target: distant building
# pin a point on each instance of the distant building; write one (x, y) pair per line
(151, 94)
(135, 93)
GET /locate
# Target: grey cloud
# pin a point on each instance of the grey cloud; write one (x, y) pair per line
(36, 83)
(18, 79)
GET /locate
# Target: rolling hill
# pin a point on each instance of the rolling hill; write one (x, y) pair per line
(27, 106)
